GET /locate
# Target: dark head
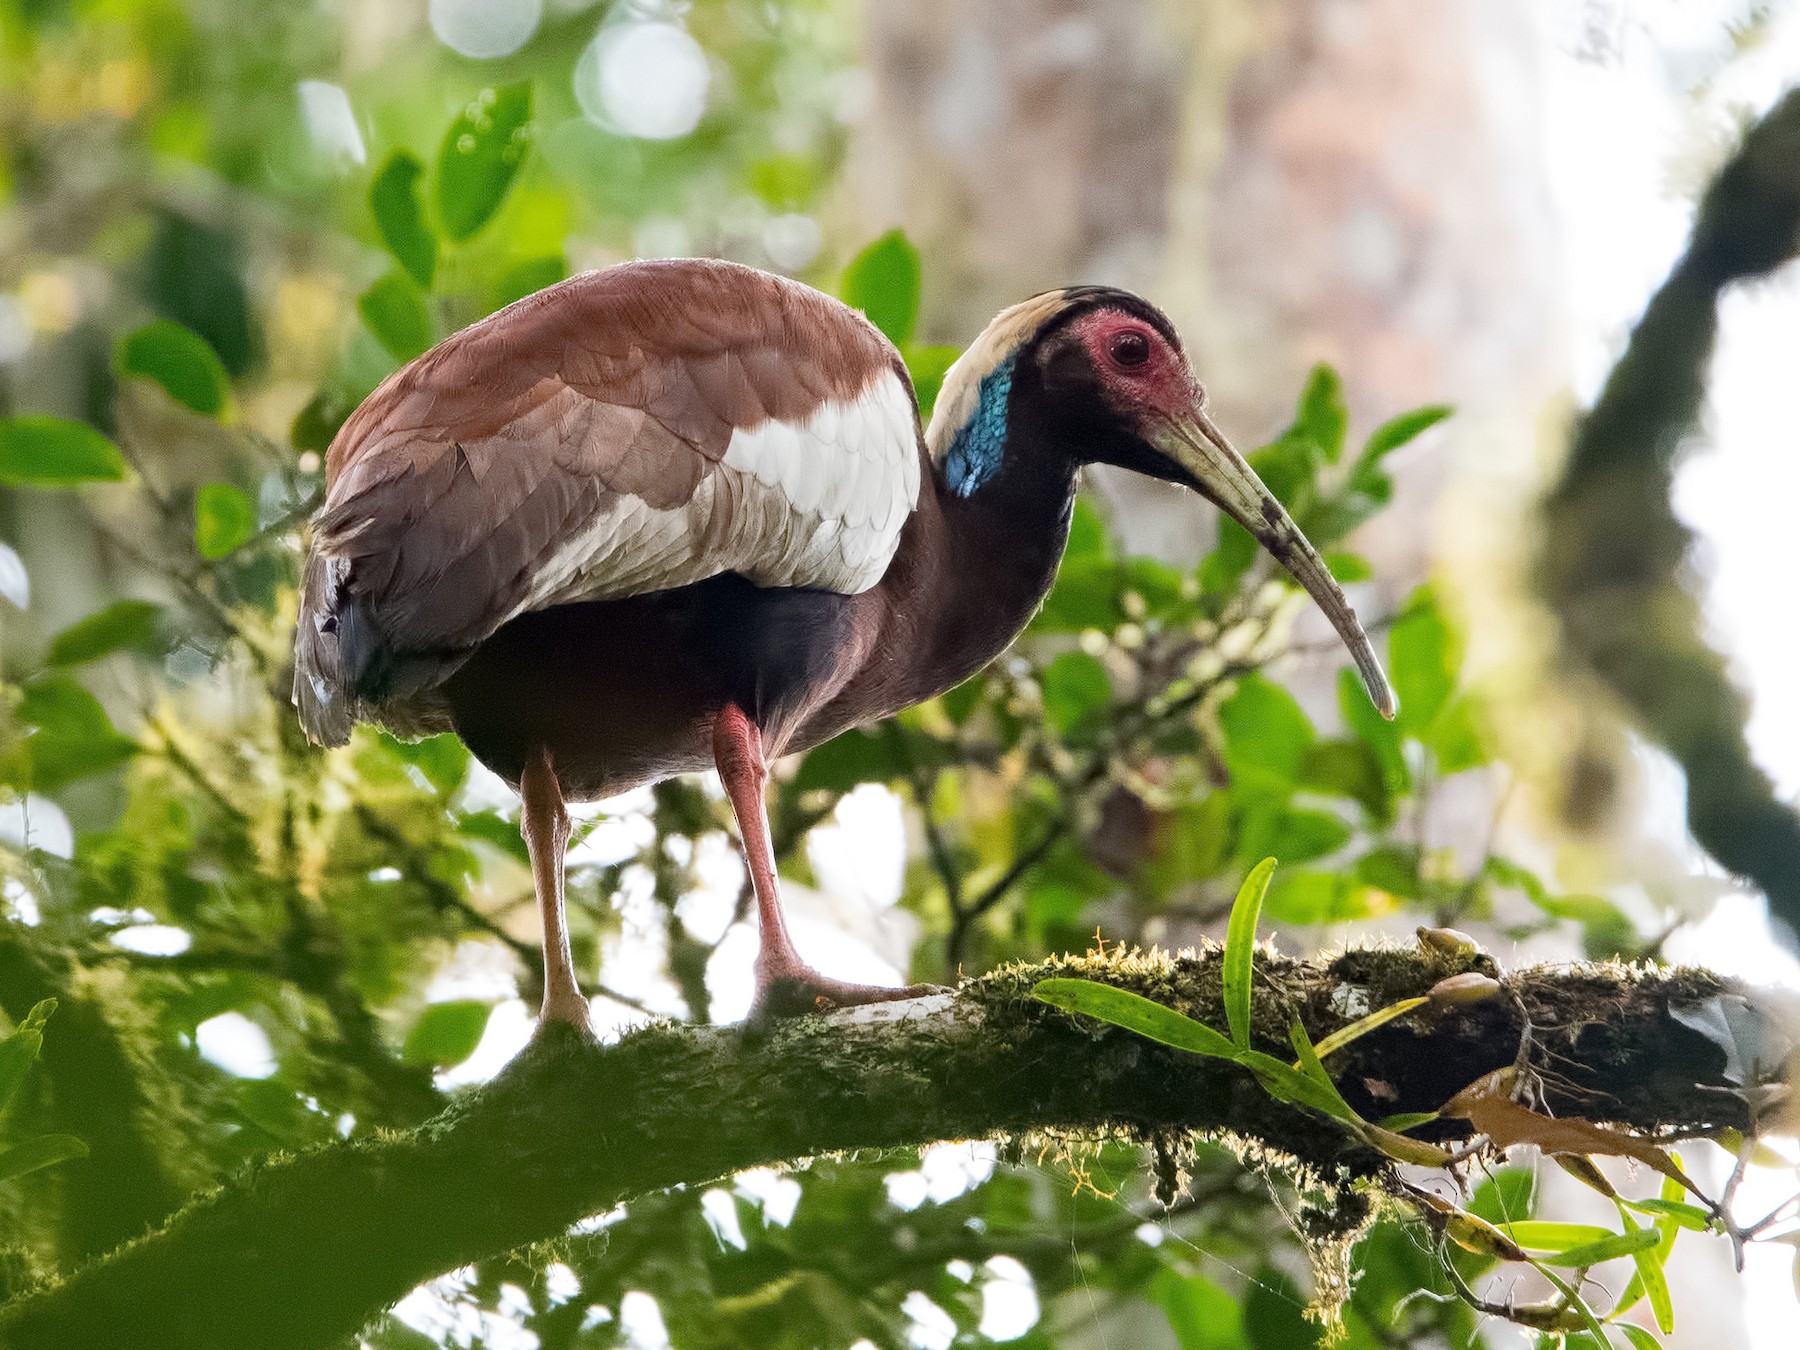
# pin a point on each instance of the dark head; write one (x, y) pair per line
(1093, 375)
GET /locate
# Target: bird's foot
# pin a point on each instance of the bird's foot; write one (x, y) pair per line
(565, 1006)
(796, 989)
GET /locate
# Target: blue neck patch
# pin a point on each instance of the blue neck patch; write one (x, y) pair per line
(975, 454)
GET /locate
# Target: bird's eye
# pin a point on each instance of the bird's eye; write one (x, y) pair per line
(1129, 349)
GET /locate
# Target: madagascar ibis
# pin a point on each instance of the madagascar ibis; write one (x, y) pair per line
(677, 515)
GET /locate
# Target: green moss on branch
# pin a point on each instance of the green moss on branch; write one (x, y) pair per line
(302, 1250)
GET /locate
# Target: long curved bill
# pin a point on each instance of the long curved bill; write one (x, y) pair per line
(1221, 474)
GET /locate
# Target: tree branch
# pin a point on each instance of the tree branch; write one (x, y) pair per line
(305, 1249)
(1614, 557)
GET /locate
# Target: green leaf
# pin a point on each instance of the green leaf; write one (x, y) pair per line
(1375, 731)
(75, 738)
(50, 452)
(1322, 416)
(1348, 567)
(1300, 898)
(1201, 1315)
(1311, 1066)
(224, 520)
(1682, 1215)
(19, 1051)
(480, 156)
(1266, 736)
(316, 423)
(1076, 689)
(1546, 1236)
(44, 1151)
(179, 360)
(1222, 569)
(529, 277)
(928, 366)
(1275, 1314)
(495, 829)
(1122, 1008)
(447, 1033)
(1406, 1120)
(1609, 1248)
(1649, 1275)
(883, 282)
(1423, 660)
(1455, 736)
(1240, 947)
(394, 309)
(1194, 845)
(399, 210)
(1606, 929)
(1348, 769)
(1088, 536)
(443, 759)
(1338, 1039)
(125, 625)
(1294, 836)
(1640, 1339)
(1397, 431)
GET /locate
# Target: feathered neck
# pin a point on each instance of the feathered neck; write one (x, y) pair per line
(959, 399)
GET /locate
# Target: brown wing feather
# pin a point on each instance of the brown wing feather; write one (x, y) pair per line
(451, 489)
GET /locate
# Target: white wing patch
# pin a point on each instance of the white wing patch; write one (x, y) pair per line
(818, 503)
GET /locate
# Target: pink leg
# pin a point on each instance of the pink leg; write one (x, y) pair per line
(545, 824)
(785, 985)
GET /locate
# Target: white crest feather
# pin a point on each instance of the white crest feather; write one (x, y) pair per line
(961, 392)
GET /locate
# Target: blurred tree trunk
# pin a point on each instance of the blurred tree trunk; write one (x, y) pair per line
(1354, 181)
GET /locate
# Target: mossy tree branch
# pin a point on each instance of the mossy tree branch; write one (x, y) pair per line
(303, 1250)
(1614, 557)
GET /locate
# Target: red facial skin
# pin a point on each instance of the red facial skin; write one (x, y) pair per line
(1140, 371)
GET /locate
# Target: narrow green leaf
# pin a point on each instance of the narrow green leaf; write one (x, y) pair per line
(399, 210)
(1134, 1012)
(51, 452)
(44, 1151)
(447, 1033)
(394, 309)
(1286, 1083)
(1607, 1249)
(1240, 946)
(1575, 1301)
(1542, 1235)
(1343, 1036)
(1649, 1277)
(1397, 431)
(1683, 1215)
(179, 360)
(1406, 1120)
(883, 282)
(224, 520)
(480, 156)
(126, 625)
